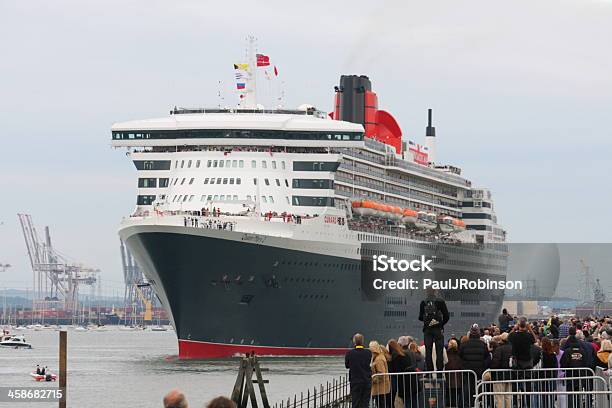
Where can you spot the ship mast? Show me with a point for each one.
(250, 96)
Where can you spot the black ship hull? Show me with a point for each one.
(232, 296)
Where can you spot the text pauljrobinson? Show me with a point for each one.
(448, 284)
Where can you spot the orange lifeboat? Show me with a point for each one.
(459, 224)
(363, 208)
(445, 223)
(396, 213)
(450, 224)
(409, 216)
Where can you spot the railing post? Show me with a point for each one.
(63, 365)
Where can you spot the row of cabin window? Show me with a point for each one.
(217, 163)
(232, 163)
(230, 180)
(267, 182)
(264, 199)
(208, 180)
(227, 164)
(222, 197)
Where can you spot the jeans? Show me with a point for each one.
(433, 336)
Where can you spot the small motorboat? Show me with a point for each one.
(159, 328)
(15, 342)
(46, 377)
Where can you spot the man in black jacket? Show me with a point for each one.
(522, 338)
(358, 362)
(434, 315)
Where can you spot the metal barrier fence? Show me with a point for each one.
(334, 394)
(431, 389)
(544, 388)
(537, 388)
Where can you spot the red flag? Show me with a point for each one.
(275, 71)
(263, 60)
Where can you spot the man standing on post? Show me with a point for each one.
(358, 362)
(434, 315)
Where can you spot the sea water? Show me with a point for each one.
(136, 368)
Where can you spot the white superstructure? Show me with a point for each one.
(298, 163)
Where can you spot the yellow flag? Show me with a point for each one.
(243, 67)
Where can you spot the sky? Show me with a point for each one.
(521, 93)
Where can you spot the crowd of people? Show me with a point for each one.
(210, 224)
(543, 352)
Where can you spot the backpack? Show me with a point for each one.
(431, 312)
(574, 357)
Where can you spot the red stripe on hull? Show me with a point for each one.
(190, 349)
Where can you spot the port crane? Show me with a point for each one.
(55, 279)
(138, 292)
(599, 297)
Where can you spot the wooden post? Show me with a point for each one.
(261, 382)
(63, 356)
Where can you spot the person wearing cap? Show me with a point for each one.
(474, 352)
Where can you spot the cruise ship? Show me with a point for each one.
(251, 224)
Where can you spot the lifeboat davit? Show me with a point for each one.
(397, 213)
(409, 216)
(426, 220)
(449, 224)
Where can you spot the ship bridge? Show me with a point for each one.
(238, 127)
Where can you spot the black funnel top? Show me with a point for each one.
(352, 93)
(429, 130)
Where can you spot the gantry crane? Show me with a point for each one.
(54, 278)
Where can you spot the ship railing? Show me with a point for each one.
(404, 164)
(222, 220)
(335, 393)
(399, 232)
(431, 189)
